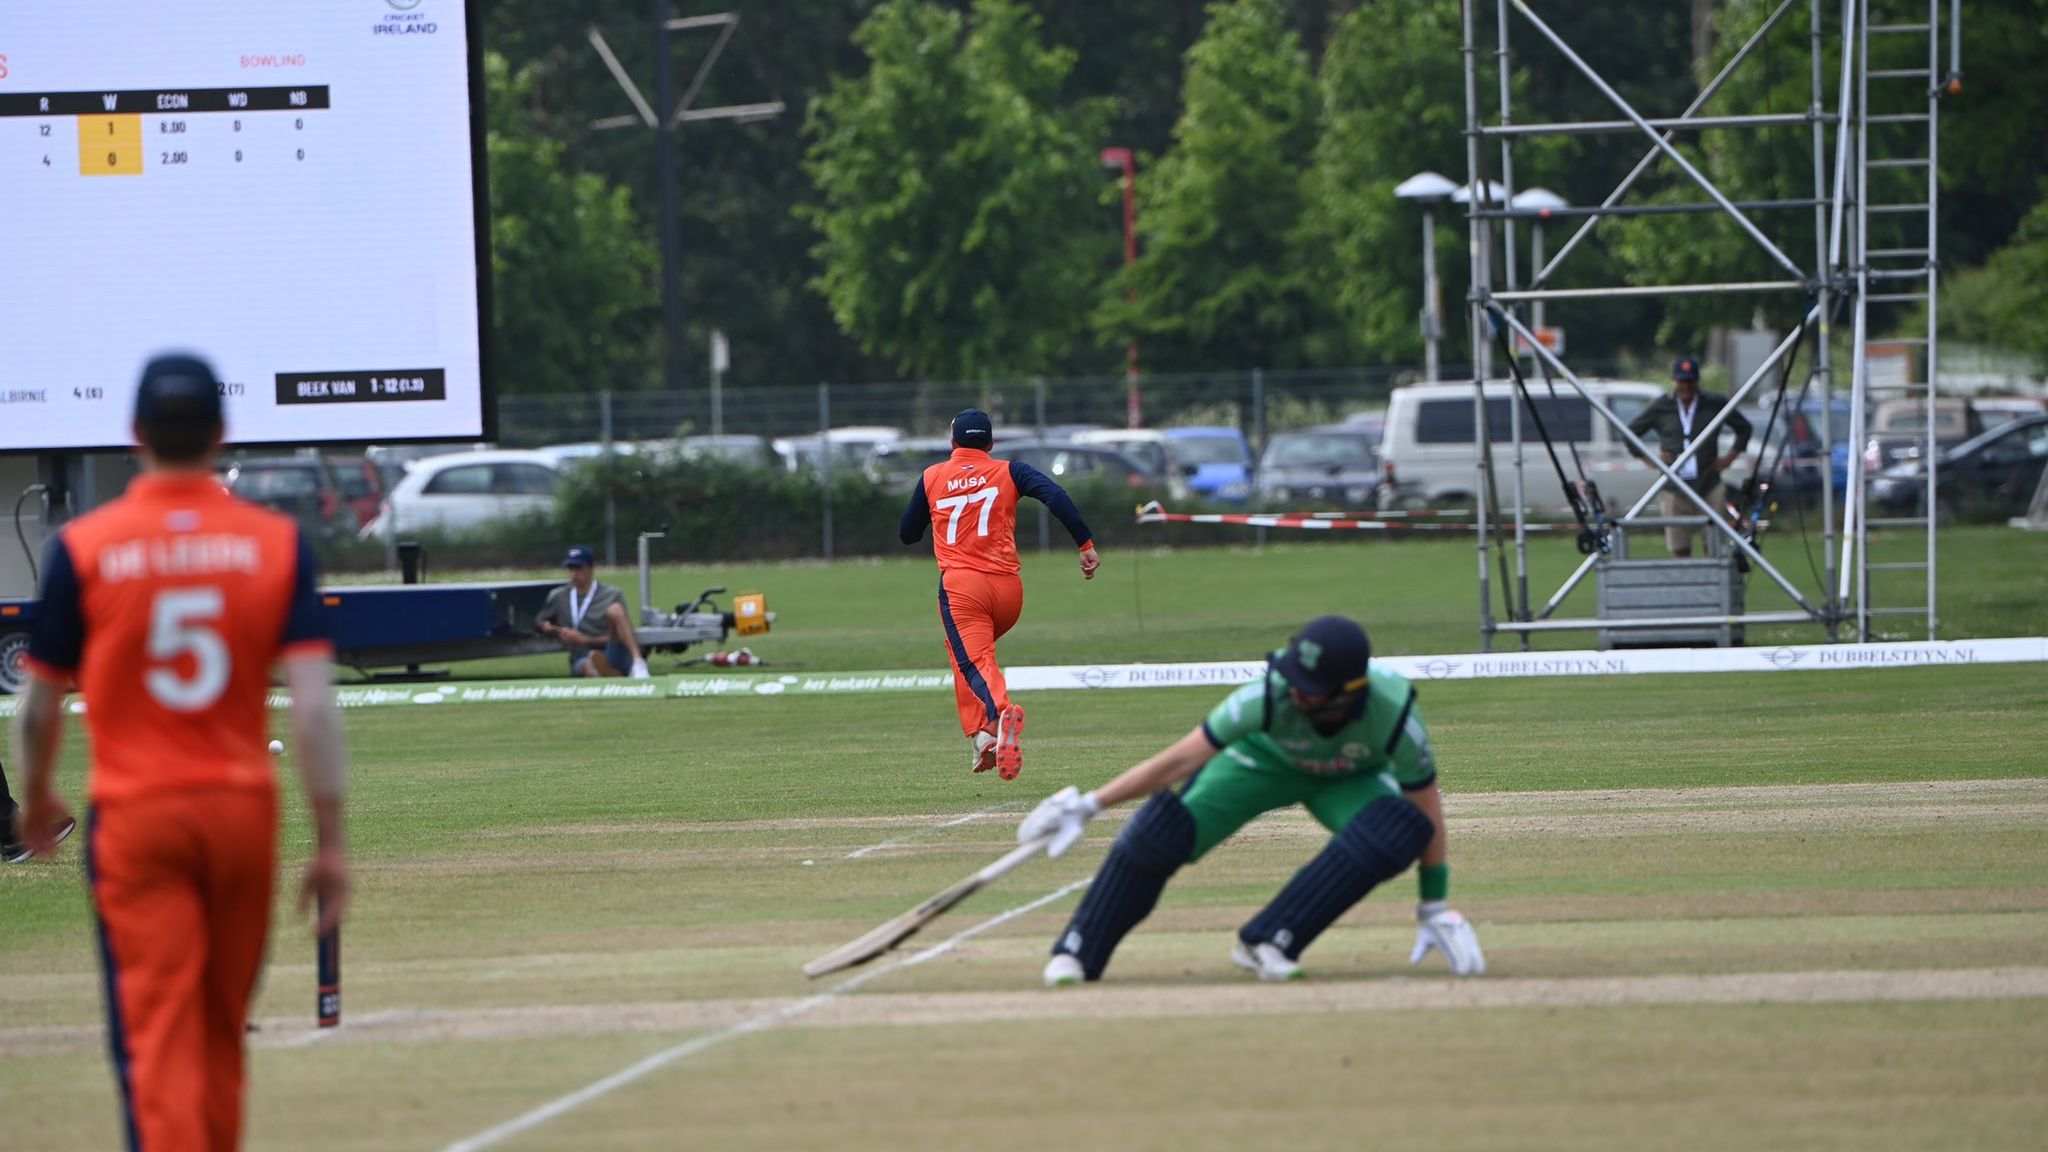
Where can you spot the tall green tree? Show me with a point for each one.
(2004, 302)
(573, 292)
(1392, 93)
(1991, 157)
(950, 178)
(1223, 279)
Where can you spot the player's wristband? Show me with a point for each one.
(1436, 881)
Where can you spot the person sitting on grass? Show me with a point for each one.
(589, 617)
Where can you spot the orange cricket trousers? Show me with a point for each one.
(181, 885)
(976, 608)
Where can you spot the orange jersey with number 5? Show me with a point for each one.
(169, 607)
(973, 502)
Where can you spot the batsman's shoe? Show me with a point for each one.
(640, 671)
(984, 755)
(13, 851)
(1063, 971)
(1010, 742)
(1269, 962)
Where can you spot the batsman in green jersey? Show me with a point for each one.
(1323, 729)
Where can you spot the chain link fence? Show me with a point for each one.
(791, 498)
(1252, 401)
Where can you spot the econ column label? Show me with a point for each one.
(362, 387)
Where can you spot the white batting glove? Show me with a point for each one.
(1061, 816)
(1441, 929)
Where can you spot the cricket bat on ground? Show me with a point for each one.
(903, 927)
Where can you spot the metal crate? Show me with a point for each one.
(1709, 586)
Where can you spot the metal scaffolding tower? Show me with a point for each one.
(1868, 260)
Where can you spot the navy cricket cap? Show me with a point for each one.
(1327, 657)
(578, 557)
(178, 389)
(1687, 368)
(973, 429)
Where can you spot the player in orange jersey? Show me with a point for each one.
(970, 504)
(169, 608)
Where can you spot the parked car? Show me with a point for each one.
(850, 447)
(361, 487)
(392, 461)
(1064, 433)
(562, 456)
(1793, 448)
(1898, 428)
(730, 448)
(1996, 411)
(1991, 476)
(1209, 463)
(898, 465)
(466, 490)
(1145, 447)
(301, 486)
(1338, 463)
(1071, 463)
(1428, 456)
(1372, 422)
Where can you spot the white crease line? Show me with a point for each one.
(518, 1125)
(971, 817)
(312, 1036)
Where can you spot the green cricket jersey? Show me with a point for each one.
(1388, 740)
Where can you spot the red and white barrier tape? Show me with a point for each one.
(1153, 513)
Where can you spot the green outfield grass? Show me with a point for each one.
(546, 894)
(1416, 595)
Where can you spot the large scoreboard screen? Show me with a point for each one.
(292, 190)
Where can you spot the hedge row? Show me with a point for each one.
(713, 512)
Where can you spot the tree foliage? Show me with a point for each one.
(2004, 302)
(1341, 284)
(573, 286)
(1223, 276)
(1393, 105)
(950, 178)
(1991, 160)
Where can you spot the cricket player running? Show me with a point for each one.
(1321, 729)
(981, 594)
(169, 607)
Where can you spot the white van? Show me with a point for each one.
(1429, 459)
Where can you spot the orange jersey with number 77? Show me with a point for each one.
(970, 503)
(973, 502)
(169, 607)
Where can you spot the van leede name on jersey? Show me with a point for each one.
(180, 556)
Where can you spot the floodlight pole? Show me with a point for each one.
(1432, 300)
(671, 229)
(675, 111)
(1429, 189)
